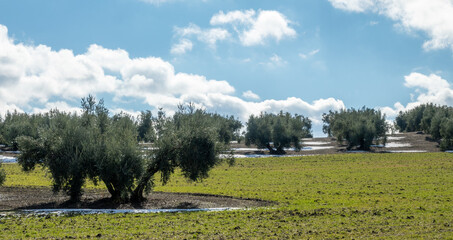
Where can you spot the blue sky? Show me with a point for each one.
(232, 57)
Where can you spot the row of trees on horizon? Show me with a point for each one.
(433, 119)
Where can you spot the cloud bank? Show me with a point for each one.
(38, 78)
(434, 18)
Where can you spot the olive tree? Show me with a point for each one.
(117, 158)
(61, 148)
(358, 127)
(190, 141)
(277, 131)
(90, 146)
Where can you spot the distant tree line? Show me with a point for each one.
(104, 148)
(430, 118)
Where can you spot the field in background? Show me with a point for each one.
(329, 196)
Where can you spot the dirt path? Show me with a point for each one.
(14, 198)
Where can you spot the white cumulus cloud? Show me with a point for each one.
(38, 78)
(246, 17)
(434, 18)
(428, 89)
(255, 28)
(36, 73)
(209, 36)
(251, 28)
(182, 47)
(250, 95)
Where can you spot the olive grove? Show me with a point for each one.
(103, 148)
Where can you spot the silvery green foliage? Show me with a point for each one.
(104, 148)
(191, 140)
(93, 146)
(360, 128)
(277, 131)
(430, 118)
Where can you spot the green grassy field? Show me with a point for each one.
(395, 196)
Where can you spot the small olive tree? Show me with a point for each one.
(277, 131)
(358, 127)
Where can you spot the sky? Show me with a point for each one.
(235, 57)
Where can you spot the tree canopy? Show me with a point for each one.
(429, 118)
(104, 148)
(358, 127)
(92, 145)
(191, 140)
(277, 131)
(17, 124)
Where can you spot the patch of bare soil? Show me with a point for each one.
(15, 198)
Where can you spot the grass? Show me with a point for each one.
(332, 196)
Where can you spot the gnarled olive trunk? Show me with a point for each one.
(137, 194)
(278, 151)
(115, 194)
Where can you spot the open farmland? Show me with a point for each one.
(405, 195)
